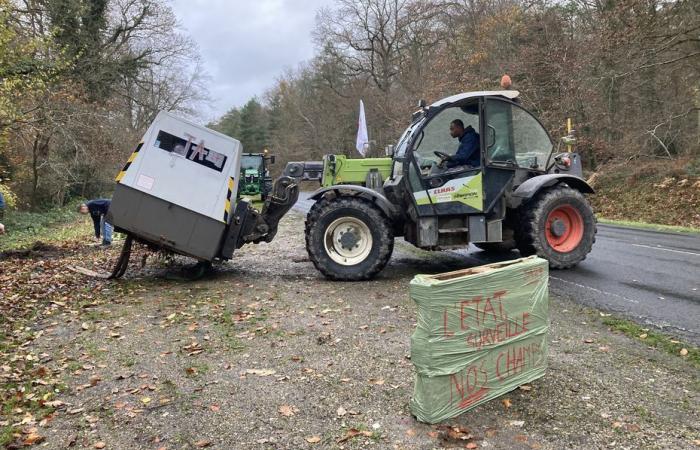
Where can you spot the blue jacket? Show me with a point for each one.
(468, 153)
(98, 209)
(2, 201)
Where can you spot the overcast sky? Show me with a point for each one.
(246, 44)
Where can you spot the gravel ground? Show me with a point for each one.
(266, 353)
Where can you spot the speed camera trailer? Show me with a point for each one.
(177, 192)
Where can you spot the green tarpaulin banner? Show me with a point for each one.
(481, 333)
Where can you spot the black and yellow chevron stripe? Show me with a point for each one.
(128, 162)
(227, 205)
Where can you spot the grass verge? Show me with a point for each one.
(655, 339)
(23, 228)
(649, 226)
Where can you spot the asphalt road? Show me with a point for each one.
(650, 277)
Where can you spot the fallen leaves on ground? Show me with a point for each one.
(36, 285)
(287, 410)
(353, 432)
(203, 443)
(33, 438)
(313, 439)
(261, 372)
(453, 434)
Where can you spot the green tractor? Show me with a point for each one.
(255, 176)
(523, 194)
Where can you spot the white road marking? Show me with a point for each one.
(595, 290)
(666, 249)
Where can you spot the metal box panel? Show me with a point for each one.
(477, 228)
(427, 232)
(186, 165)
(165, 224)
(494, 230)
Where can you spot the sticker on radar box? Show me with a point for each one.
(145, 182)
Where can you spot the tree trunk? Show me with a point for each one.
(35, 172)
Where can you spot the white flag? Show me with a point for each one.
(362, 139)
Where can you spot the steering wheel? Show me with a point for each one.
(444, 157)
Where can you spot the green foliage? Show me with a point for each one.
(654, 339)
(22, 73)
(79, 30)
(9, 196)
(80, 80)
(248, 124)
(24, 228)
(693, 167)
(229, 124)
(648, 226)
(253, 127)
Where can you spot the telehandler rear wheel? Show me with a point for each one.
(348, 238)
(557, 225)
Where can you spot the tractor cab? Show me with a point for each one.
(467, 202)
(255, 175)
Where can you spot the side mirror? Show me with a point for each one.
(272, 159)
(389, 151)
(422, 104)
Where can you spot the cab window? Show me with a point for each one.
(513, 135)
(531, 141)
(499, 132)
(435, 136)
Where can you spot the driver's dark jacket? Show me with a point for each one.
(468, 152)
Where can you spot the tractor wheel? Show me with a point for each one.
(559, 226)
(348, 239)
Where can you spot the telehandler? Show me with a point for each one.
(524, 194)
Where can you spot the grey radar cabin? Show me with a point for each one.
(177, 192)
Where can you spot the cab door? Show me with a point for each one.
(499, 155)
(455, 191)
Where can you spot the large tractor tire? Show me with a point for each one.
(557, 225)
(348, 239)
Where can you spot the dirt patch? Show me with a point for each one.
(36, 250)
(266, 353)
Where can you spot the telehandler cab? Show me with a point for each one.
(523, 195)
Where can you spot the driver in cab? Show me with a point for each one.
(468, 152)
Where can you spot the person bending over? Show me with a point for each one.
(98, 211)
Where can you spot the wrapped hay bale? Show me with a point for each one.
(481, 332)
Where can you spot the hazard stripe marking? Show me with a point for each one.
(128, 162)
(227, 204)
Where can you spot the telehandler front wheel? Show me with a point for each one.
(557, 225)
(348, 239)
